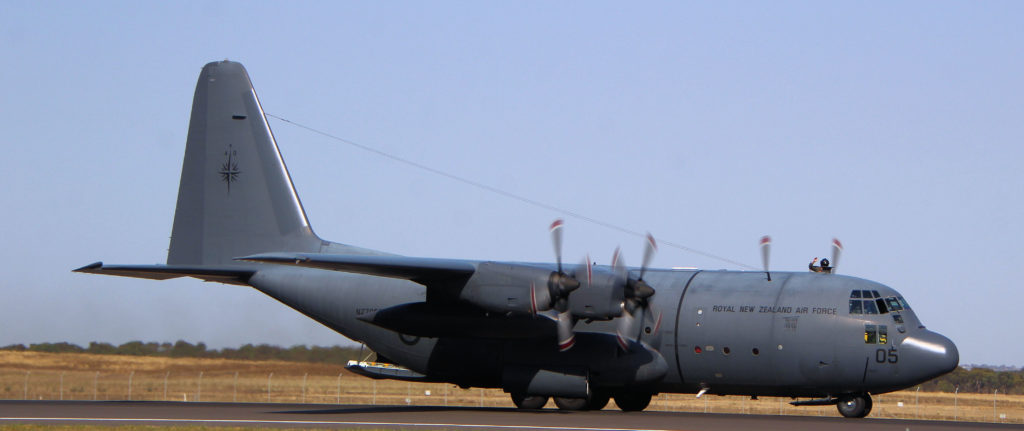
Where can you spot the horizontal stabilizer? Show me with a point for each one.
(229, 275)
(421, 270)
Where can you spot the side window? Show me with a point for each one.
(894, 304)
(855, 307)
(870, 334)
(903, 302)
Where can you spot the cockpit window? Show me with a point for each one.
(881, 306)
(893, 303)
(855, 306)
(870, 307)
(903, 302)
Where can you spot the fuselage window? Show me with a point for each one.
(855, 306)
(883, 334)
(897, 318)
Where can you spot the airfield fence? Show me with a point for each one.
(345, 388)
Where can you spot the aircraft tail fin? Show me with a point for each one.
(235, 197)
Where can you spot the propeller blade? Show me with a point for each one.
(566, 337)
(837, 249)
(584, 272)
(649, 249)
(657, 320)
(766, 248)
(556, 240)
(619, 267)
(627, 330)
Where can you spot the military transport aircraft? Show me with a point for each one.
(579, 333)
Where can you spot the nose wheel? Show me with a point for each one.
(854, 405)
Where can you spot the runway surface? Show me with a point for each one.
(428, 418)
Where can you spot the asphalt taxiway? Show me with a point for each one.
(429, 418)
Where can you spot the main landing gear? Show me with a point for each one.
(854, 405)
(627, 402)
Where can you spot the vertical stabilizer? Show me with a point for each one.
(236, 197)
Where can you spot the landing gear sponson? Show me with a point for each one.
(627, 402)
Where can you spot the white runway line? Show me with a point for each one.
(273, 422)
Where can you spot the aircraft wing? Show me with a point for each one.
(230, 275)
(418, 269)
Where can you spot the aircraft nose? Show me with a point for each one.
(931, 353)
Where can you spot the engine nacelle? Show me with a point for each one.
(602, 298)
(502, 287)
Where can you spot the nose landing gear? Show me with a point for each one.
(854, 405)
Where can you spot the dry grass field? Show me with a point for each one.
(47, 376)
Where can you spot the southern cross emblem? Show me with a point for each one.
(229, 169)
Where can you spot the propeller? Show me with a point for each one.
(560, 284)
(766, 248)
(559, 288)
(637, 295)
(837, 250)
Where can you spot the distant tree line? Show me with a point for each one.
(978, 380)
(184, 349)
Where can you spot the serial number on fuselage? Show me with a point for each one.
(362, 311)
(772, 309)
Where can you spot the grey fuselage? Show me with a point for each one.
(725, 331)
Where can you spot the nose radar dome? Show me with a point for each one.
(930, 354)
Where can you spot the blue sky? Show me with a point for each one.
(895, 127)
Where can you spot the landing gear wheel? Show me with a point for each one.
(632, 402)
(854, 405)
(598, 401)
(571, 403)
(529, 402)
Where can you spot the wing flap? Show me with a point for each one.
(421, 270)
(227, 275)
